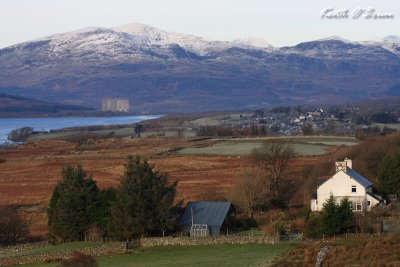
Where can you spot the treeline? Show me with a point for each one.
(369, 132)
(141, 205)
(19, 104)
(379, 117)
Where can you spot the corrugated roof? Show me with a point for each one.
(212, 213)
(359, 178)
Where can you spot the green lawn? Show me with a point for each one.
(213, 255)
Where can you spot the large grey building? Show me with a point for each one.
(115, 104)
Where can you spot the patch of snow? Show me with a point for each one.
(335, 37)
(392, 39)
(252, 42)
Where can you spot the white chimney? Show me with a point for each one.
(349, 163)
(340, 166)
(343, 165)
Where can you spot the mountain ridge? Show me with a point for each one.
(160, 71)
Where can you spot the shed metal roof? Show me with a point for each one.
(211, 213)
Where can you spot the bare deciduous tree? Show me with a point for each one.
(250, 189)
(273, 158)
(12, 227)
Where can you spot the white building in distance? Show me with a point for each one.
(346, 182)
(115, 104)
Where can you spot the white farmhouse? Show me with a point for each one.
(346, 182)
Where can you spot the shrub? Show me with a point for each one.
(13, 228)
(313, 227)
(79, 260)
(248, 223)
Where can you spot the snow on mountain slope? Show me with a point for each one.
(141, 42)
(149, 36)
(391, 43)
(392, 39)
(335, 37)
(87, 43)
(252, 42)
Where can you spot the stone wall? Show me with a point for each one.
(190, 241)
(20, 254)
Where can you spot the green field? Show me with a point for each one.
(334, 143)
(118, 132)
(245, 148)
(215, 120)
(213, 255)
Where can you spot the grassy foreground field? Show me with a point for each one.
(213, 255)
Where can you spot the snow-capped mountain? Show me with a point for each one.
(392, 39)
(252, 42)
(163, 71)
(149, 36)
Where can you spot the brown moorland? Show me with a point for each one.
(30, 172)
(358, 250)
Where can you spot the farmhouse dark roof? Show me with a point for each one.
(375, 196)
(211, 213)
(358, 177)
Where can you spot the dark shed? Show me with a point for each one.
(215, 215)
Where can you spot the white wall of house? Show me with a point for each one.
(339, 185)
(342, 185)
(372, 202)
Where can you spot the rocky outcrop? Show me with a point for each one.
(321, 256)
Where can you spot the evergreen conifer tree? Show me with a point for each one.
(73, 204)
(144, 201)
(389, 175)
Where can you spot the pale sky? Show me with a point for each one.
(280, 22)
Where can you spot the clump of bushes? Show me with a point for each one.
(20, 135)
(79, 260)
(13, 228)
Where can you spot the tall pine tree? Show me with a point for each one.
(73, 204)
(336, 218)
(389, 175)
(144, 202)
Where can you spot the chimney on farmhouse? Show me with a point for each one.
(349, 163)
(343, 165)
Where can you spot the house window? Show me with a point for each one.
(353, 189)
(358, 206)
(369, 203)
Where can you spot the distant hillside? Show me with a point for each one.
(11, 105)
(164, 72)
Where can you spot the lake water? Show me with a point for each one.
(47, 124)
